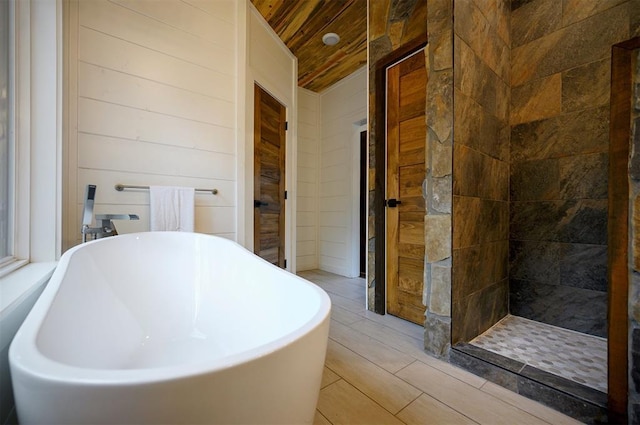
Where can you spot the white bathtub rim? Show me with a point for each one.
(24, 354)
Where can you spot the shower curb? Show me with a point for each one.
(570, 398)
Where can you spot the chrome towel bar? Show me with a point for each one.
(121, 187)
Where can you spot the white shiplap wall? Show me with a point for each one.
(151, 100)
(308, 171)
(343, 108)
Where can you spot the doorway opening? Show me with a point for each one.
(363, 204)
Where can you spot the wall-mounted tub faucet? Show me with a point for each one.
(106, 228)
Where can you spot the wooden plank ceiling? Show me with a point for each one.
(300, 24)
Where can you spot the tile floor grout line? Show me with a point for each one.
(408, 404)
(369, 361)
(342, 378)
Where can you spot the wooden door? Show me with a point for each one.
(405, 204)
(269, 181)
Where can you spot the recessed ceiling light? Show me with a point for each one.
(330, 38)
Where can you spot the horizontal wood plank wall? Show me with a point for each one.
(342, 105)
(308, 169)
(151, 89)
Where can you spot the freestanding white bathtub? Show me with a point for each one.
(167, 327)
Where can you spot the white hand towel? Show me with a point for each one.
(171, 208)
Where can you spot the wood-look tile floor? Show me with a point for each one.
(376, 372)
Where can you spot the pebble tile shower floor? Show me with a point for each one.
(572, 355)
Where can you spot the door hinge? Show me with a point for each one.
(286, 125)
(285, 194)
(285, 263)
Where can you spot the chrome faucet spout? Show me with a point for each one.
(106, 228)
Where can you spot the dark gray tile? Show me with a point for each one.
(562, 384)
(582, 310)
(576, 133)
(495, 359)
(635, 358)
(569, 405)
(576, 221)
(535, 260)
(584, 176)
(634, 163)
(584, 266)
(585, 222)
(634, 413)
(485, 369)
(535, 180)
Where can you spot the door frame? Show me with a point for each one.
(618, 235)
(246, 169)
(380, 142)
(358, 128)
(282, 160)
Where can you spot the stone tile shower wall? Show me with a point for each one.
(439, 179)
(560, 87)
(480, 166)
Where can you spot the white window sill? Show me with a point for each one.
(19, 284)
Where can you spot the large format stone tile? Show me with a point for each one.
(568, 134)
(535, 260)
(577, 10)
(582, 310)
(574, 221)
(534, 19)
(536, 100)
(473, 27)
(586, 86)
(584, 176)
(466, 232)
(587, 41)
(634, 9)
(498, 14)
(583, 266)
(479, 267)
(535, 180)
(474, 314)
(475, 78)
(475, 127)
(477, 174)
